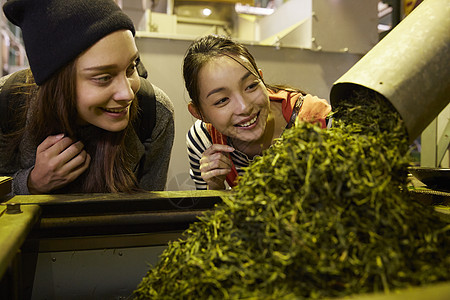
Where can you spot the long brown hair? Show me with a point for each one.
(55, 111)
(209, 47)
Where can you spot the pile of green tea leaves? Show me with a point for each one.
(323, 213)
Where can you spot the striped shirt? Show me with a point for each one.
(198, 140)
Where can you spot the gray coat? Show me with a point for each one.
(157, 151)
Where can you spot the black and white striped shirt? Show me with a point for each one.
(198, 140)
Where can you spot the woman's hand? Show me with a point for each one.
(314, 109)
(59, 161)
(215, 166)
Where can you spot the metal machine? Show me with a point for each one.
(410, 67)
(92, 246)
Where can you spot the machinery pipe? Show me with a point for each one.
(410, 67)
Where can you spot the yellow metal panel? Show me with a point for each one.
(14, 229)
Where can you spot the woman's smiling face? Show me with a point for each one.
(233, 99)
(107, 81)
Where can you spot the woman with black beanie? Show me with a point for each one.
(75, 123)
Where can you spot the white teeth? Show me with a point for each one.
(249, 122)
(114, 110)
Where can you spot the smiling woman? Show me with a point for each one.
(107, 81)
(74, 128)
(239, 116)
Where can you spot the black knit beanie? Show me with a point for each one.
(57, 31)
